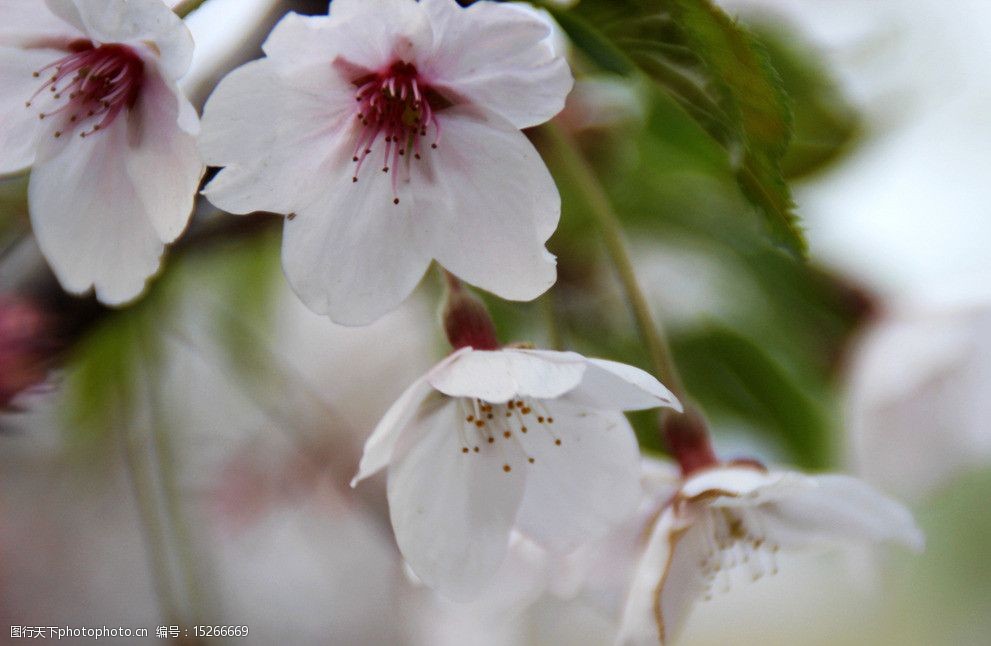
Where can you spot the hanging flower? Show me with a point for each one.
(740, 516)
(89, 101)
(492, 440)
(389, 134)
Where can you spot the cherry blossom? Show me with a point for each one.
(492, 440)
(90, 104)
(388, 132)
(740, 516)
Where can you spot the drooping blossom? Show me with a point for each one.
(740, 516)
(89, 102)
(389, 134)
(492, 440)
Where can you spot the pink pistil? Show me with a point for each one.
(96, 84)
(395, 104)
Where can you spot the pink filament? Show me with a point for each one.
(393, 104)
(96, 83)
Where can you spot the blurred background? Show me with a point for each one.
(185, 460)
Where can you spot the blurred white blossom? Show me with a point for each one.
(917, 406)
(90, 102)
(389, 132)
(740, 516)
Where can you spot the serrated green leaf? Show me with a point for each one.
(717, 72)
(825, 123)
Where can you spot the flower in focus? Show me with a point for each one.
(90, 103)
(741, 515)
(492, 440)
(389, 134)
(25, 347)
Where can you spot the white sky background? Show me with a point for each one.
(909, 211)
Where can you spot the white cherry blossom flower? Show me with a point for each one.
(740, 516)
(89, 102)
(389, 134)
(492, 440)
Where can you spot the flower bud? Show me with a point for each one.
(466, 319)
(687, 439)
(25, 345)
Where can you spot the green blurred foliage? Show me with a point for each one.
(717, 72)
(114, 370)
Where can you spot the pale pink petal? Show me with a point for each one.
(29, 23)
(584, 478)
(19, 124)
(301, 41)
(281, 148)
(683, 583)
(353, 254)
(452, 511)
(498, 375)
(732, 481)
(162, 160)
(499, 57)
(497, 204)
(382, 441)
(829, 509)
(89, 219)
(643, 620)
(618, 386)
(134, 22)
(382, 32)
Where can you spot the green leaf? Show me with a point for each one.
(733, 377)
(717, 72)
(825, 123)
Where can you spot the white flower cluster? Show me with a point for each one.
(388, 132)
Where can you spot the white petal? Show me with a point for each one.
(134, 22)
(274, 141)
(499, 57)
(498, 375)
(353, 254)
(610, 385)
(89, 220)
(29, 23)
(684, 581)
(452, 511)
(807, 511)
(382, 442)
(660, 578)
(302, 40)
(500, 205)
(579, 489)
(162, 159)
(378, 33)
(19, 124)
(733, 481)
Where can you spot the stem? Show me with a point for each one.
(555, 338)
(186, 7)
(574, 163)
(165, 465)
(151, 522)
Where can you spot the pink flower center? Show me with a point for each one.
(90, 85)
(398, 105)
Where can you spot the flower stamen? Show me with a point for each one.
(96, 82)
(396, 104)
